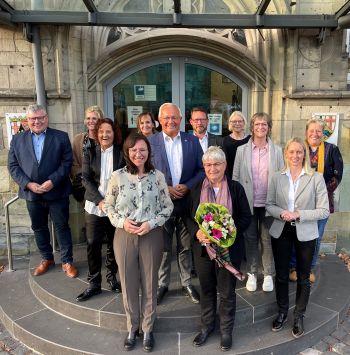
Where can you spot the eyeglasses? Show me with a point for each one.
(39, 118)
(172, 118)
(213, 165)
(236, 122)
(135, 151)
(198, 120)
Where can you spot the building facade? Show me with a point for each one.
(289, 73)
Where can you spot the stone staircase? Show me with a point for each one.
(42, 313)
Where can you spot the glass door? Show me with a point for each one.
(184, 81)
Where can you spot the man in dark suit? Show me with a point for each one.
(178, 155)
(39, 161)
(199, 122)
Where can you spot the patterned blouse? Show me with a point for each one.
(139, 199)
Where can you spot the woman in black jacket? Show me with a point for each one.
(216, 188)
(98, 164)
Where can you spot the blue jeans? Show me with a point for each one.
(321, 224)
(59, 213)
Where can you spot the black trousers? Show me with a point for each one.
(213, 279)
(282, 249)
(97, 228)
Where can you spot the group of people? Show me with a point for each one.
(136, 198)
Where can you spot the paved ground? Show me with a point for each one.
(336, 343)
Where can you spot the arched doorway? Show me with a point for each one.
(186, 81)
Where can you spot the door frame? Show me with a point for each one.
(178, 81)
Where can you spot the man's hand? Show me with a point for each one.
(46, 186)
(182, 188)
(34, 187)
(174, 194)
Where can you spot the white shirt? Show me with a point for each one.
(174, 154)
(203, 142)
(106, 172)
(293, 186)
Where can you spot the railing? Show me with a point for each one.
(8, 234)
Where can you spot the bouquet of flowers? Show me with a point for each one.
(216, 222)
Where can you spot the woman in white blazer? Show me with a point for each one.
(254, 165)
(297, 198)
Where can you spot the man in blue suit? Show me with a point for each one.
(178, 155)
(39, 161)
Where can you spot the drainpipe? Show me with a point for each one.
(38, 67)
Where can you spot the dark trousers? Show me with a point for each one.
(184, 255)
(97, 228)
(58, 210)
(304, 251)
(214, 279)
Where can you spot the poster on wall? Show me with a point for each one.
(145, 92)
(215, 123)
(331, 129)
(133, 112)
(15, 123)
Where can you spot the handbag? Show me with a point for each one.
(78, 190)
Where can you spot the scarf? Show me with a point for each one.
(223, 197)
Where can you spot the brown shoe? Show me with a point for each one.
(70, 270)
(293, 275)
(312, 277)
(43, 267)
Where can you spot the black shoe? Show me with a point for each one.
(298, 327)
(148, 342)
(226, 342)
(191, 292)
(202, 337)
(115, 286)
(130, 341)
(278, 322)
(161, 291)
(88, 293)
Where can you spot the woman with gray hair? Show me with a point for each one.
(255, 163)
(236, 125)
(216, 188)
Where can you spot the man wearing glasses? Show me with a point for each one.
(40, 161)
(199, 122)
(178, 155)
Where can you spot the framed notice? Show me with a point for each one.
(133, 112)
(145, 92)
(215, 123)
(15, 123)
(331, 129)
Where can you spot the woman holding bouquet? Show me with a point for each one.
(216, 188)
(297, 198)
(138, 204)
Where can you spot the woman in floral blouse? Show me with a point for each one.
(138, 204)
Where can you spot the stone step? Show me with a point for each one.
(47, 332)
(176, 313)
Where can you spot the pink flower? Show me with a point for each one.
(208, 217)
(217, 234)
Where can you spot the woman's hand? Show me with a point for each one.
(202, 238)
(101, 205)
(143, 229)
(289, 216)
(131, 226)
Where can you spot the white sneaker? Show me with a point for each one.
(267, 284)
(251, 283)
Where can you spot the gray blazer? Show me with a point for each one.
(311, 200)
(242, 168)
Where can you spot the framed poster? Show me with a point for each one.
(15, 123)
(330, 132)
(133, 112)
(215, 123)
(145, 92)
